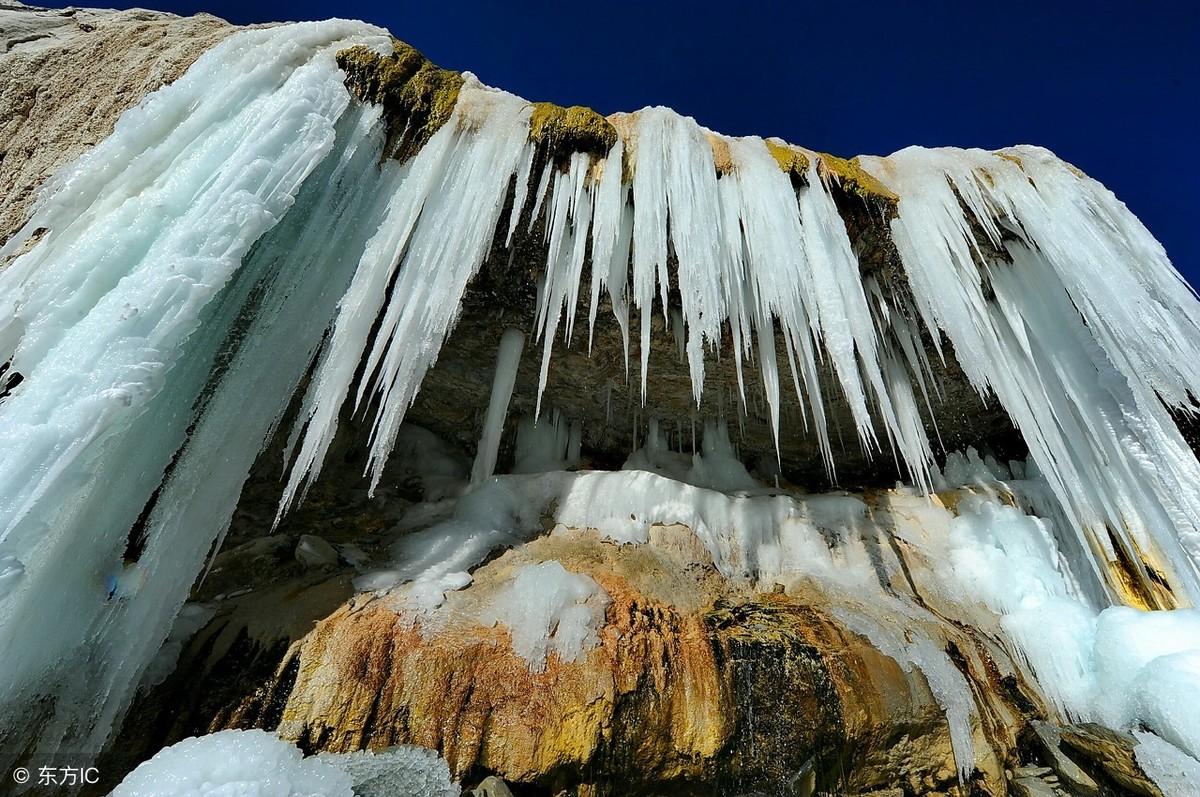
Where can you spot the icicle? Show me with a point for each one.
(606, 231)
(1084, 394)
(456, 182)
(570, 218)
(508, 357)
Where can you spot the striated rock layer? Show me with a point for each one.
(699, 683)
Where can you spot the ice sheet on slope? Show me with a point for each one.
(255, 762)
(1171, 769)
(234, 762)
(144, 273)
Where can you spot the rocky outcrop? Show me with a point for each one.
(698, 685)
(67, 74)
(1111, 752)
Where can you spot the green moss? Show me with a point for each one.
(417, 97)
(848, 174)
(791, 160)
(854, 178)
(564, 131)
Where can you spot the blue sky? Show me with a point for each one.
(1111, 87)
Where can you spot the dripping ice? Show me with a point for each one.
(1080, 328)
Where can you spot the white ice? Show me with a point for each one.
(549, 610)
(250, 763)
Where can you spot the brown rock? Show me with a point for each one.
(1112, 752)
(65, 77)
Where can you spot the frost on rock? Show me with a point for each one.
(549, 610)
(251, 763)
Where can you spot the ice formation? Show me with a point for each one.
(238, 240)
(549, 609)
(255, 763)
(1172, 770)
(507, 360)
(403, 770)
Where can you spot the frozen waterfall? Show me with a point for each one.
(239, 246)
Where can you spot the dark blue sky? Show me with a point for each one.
(1112, 87)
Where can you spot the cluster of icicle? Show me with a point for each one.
(237, 232)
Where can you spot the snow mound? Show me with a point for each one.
(1174, 771)
(234, 764)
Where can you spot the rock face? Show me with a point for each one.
(67, 74)
(698, 684)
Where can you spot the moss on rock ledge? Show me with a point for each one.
(854, 178)
(417, 96)
(791, 160)
(563, 131)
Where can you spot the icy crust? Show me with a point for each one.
(1172, 770)
(251, 763)
(119, 322)
(256, 763)
(549, 610)
(405, 770)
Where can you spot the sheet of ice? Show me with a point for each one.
(1147, 672)
(1175, 772)
(1164, 697)
(549, 610)
(251, 763)
(148, 271)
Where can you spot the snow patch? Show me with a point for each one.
(549, 610)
